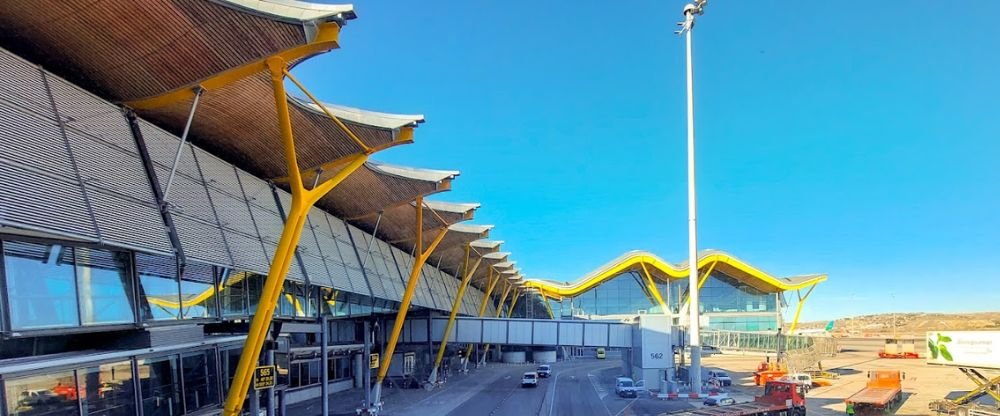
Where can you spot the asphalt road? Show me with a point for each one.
(578, 388)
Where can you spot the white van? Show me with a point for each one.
(529, 379)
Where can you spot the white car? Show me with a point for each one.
(544, 370)
(529, 379)
(625, 387)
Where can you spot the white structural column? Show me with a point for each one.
(690, 11)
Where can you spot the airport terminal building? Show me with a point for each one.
(733, 295)
(154, 173)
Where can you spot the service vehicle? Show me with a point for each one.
(544, 370)
(781, 398)
(721, 376)
(625, 387)
(802, 379)
(601, 354)
(883, 393)
(529, 379)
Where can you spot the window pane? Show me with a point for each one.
(107, 390)
(50, 394)
(160, 387)
(198, 291)
(158, 278)
(234, 296)
(102, 284)
(200, 389)
(41, 285)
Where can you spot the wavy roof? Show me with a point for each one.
(633, 261)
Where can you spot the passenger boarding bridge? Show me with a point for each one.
(514, 331)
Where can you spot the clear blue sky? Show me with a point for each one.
(857, 139)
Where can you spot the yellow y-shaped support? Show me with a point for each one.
(513, 303)
(411, 286)
(798, 308)
(503, 299)
(482, 304)
(454, 310)
(548, 307)
(654, 290)
(703, 279)
(302, 200)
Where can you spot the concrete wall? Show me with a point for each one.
(514, 357)
(543, 356)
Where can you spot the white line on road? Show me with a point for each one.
(601, 394)
(626, 406)
(553, 389)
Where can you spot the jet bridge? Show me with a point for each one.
(515, 331)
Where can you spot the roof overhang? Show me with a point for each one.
(642, 261)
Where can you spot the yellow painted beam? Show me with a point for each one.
(327, 38)
(411, 286)
(513, 303)
(486, 349)
(702, 279)
(798, 308)
(548, 307)
(486, 297)
(322, 107)
(493, 282)
(302, 200)
(654, 290)
(503, 299)
(633, 263)
(454, 308)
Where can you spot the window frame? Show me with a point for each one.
(6, 328)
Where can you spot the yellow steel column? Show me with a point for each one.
(503, 299)
(654, 290)
(798, 308)
(703, 279)
(489, 290)
(547, 306)
(302, 200)
(454, 311)
(513, 303)
(482, 304)
(404, 307)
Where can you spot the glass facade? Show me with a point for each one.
(169, 385)
(160, 384)
(201, 389)
(722, 293)
(107, 389)
(52, 286)
(48, 394)
(728, 303)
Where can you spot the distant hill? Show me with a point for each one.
(915, 324)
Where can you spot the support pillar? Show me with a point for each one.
(798, 308)
(302, 200)
(482, 309)
(486, 349)
(404, 307)
(324, 388)
(454, 311)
